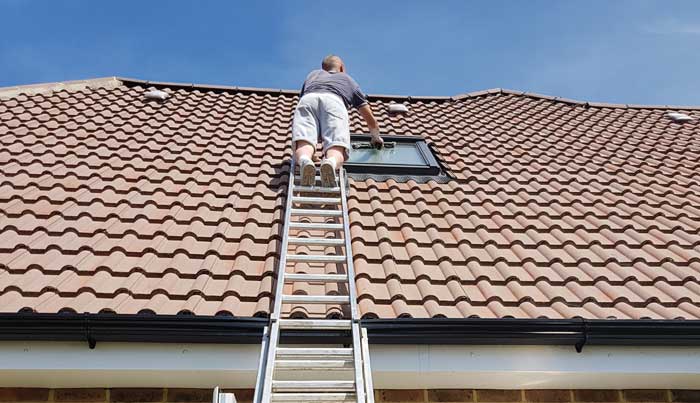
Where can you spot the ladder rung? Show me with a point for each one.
(298, 177)
(313, 352)
(313, 385)
(314, 324)
(316, 241)
(317, 178)
(314, 365)
(315, 225)
(326, 278)
(315, 200)
(316, 213)
(316, 258)
(316, 299)
(315, 397)
(317, 189)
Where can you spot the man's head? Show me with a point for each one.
(333, 63)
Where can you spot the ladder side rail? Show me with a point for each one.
(369, 385)
(262, 365)
(357, 358)
(270, 363)
(350, 269)
(266, 395)
(277, 309)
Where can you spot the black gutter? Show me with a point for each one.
(473, 331)
(94, 328)
(573, 332)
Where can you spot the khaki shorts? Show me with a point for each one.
(321, 117)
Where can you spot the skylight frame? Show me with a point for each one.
(430, 168)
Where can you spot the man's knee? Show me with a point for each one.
(339, 150)
(299, 143)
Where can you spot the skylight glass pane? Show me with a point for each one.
(400, 154)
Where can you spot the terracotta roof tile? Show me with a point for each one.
(557, 209)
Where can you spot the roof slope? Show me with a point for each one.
(113, 203)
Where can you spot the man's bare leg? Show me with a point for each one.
(304, 157)
(304, 150)
(338, 154)
(334, 158)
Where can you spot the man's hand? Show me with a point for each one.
(376, 140)
(367, 115)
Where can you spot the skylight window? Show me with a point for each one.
(401, 155)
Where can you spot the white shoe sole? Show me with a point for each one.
(308, 175)
(327, 175)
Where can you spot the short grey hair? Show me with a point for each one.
(331, 62)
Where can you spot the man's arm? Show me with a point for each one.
(367, 115)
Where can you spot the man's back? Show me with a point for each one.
(340, 84)
(322, 115)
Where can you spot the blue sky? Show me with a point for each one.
(632, 51)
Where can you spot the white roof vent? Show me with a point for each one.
(398, 108)
(679, 117)
(157, 95)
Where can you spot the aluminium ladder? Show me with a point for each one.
(312, 214)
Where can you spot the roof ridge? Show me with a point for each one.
(45, 88)
(390, 97)
(570, 101)
(115, 81)
(132, 81)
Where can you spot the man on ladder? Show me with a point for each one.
(322, 115)
(326, 371)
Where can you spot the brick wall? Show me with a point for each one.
(175, 395)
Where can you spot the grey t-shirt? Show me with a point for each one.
(340, 84)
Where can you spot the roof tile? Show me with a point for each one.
(557, 209)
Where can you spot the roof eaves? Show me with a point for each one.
(578, 332)
(508, 331)
(47, 88)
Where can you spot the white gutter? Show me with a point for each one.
(72, 364)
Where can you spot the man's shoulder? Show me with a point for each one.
(315, 73)
(350, 79)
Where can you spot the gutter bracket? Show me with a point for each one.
(88, 332)
(579, 344)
